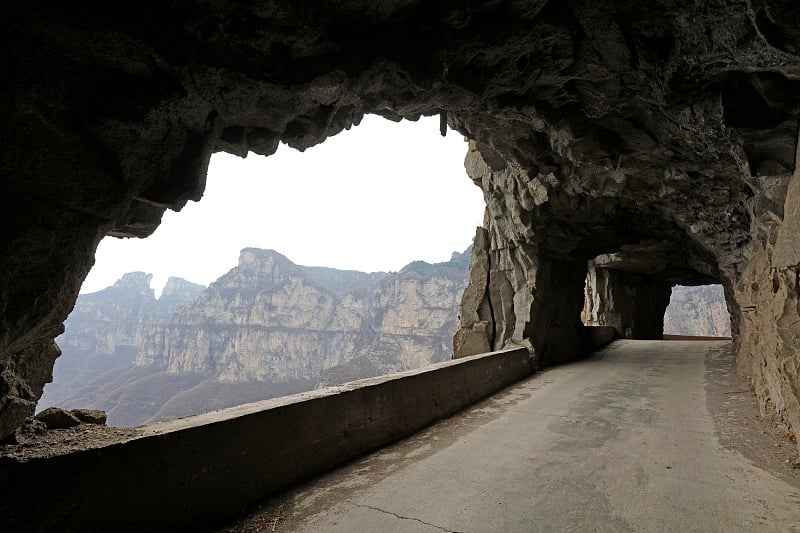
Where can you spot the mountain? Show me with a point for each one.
(106, 328)
(270, 327)
(697, 311)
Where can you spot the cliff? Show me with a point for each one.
(106, 328)
(269, 327)
(698, 311)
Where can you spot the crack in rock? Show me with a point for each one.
(403, 517)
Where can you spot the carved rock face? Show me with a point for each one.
(595, 126)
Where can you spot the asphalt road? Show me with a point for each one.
(624, 441)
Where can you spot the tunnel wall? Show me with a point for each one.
(521, 297)
(600, 122)
(555, 328)
(765, 311)
(633, 304)
(510, 279)
(190, 473)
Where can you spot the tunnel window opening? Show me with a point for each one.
(265, 289)
(697, 311)
(624, 293)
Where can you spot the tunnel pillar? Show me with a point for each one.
(633, 304)
(555, 326)
(521, 296)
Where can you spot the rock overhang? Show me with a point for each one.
(600, 126)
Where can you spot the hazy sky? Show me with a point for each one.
(372, 198)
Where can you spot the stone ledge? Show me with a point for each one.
(197, 471)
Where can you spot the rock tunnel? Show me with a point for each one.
(640, 143)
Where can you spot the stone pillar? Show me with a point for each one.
(632, 304)
(476, 320)
(38, 287)
(519, 293)
(497, 294)
(521, 296)
(555, 328)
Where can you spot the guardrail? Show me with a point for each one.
(192, 473)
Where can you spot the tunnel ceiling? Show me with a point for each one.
(647, 101)
(679, 118)
(662, 260)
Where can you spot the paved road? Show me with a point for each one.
(621, 442)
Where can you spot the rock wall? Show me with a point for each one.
(766, 304)
(535, 266)
(270, 320)
(603, 125)
(633, 304)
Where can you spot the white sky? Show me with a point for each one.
(372, 199)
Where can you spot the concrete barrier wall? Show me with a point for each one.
(599, 336)
(192, 473)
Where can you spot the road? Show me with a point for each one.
(640, 437)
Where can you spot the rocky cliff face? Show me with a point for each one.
(178, 292)
(270, 320)
(270, 327)
(699, 311)
(106, 328)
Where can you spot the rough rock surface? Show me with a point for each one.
(55, 418)
(633, 304)
(599, 124)
(699, 311)
(106, 328)
(270, 327)
(90, 416)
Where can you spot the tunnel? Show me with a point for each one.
(634, 144)
(585, 261)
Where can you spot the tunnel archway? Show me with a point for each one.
(296, 293)
(572, 105)
(546, 255)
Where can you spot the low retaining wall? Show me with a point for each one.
(192, 473)
(599, 336)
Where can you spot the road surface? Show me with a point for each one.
(642, 436)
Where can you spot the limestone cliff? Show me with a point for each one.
(269, 327)
(273, 321)
(106, 328)
(177, 292)
(698, 311)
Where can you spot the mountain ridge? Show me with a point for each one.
(270, 327)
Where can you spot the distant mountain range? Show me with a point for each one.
(106, 329)
(266, 328)
(269, 328)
